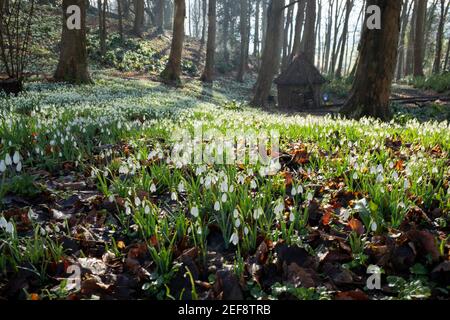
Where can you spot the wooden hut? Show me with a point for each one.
(299, 86)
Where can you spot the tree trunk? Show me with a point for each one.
(172, 72)
(419, 38)
(348, 6)
(271, 54)
(447, 56)
(404, 24)
(327, 49)
(208, 73)
(102, 25)
(160, 17)
(298, 28)
(204, 26)
(372, 85)
(410, 49)
(308, 45)
(226, 27)
(286, 53)
(120, 14)
(439, 37)
(244, 44)
(138, 17)
(257, 26)
(73, 66)
(264, 23)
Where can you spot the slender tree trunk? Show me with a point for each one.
(308, 45)
(73, 66)
(138, 17)
(327, 49)
(172, 72)
(102, 25)
(337, 24)
(126, 9)
(120, 14)
(409, 67)
(319, 35)
(439, 37)
(257, 26)
(264, 23)
(208, 73)
(244, 43)
(349, 7)
(287, 26)
(204, 26)
(271, 54)
(401, 55)
(298, 28)
(372, 85)
(419, 38)
(226, 27)
(447, 57)
(160, 16)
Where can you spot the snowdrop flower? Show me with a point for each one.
(237, 223)
(153, 188)
(246, 231)
(16, 157)
(300, 190)
(224, 197)
(231, 189)
(279, 208)
(194, 212)
(310, 196)
(147, 210)
(391, 165)
(3, 222)
(435, 170)
(8, 160)
(355, 176)
(380, 169)
(292, 217)
(408, 171)
(137, 201)
(406, 184)
(253, 184)
(216, 206)
(293, 192)
(224, 186)
(181, 187)
(111, 198)
(374, 226)
(173, 196)
(2, 166)
(257, 213)
(123, 170)
(395, 176)
(19, 167)
(373, 170)
(380, 178)
(234, 238)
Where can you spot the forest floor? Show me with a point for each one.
(88, 179)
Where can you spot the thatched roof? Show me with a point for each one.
(300, 72)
